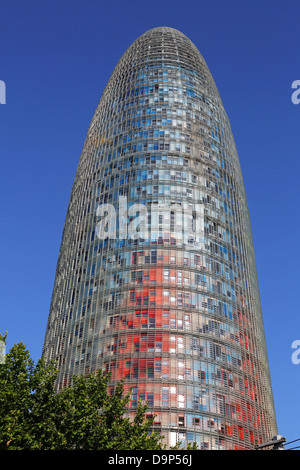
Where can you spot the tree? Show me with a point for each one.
(82, 416)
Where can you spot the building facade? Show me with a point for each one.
(156, 280)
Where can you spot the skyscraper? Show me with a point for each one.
(156, 278)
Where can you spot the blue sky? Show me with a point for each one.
(56, 57)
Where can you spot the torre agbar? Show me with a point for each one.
(156, 278)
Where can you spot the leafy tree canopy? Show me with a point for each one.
(82, 416)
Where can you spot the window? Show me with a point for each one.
(134, 397)
(165, 396)
(181, 421)
(150, 400)
(180, 401)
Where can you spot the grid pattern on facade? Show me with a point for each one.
(178, 317)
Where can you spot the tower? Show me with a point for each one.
(156, 278)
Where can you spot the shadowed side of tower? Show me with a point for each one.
(156, 279)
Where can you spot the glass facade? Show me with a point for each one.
(156, 279)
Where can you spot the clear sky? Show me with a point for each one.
(56, 57)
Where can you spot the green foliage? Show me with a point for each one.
(82, 416)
